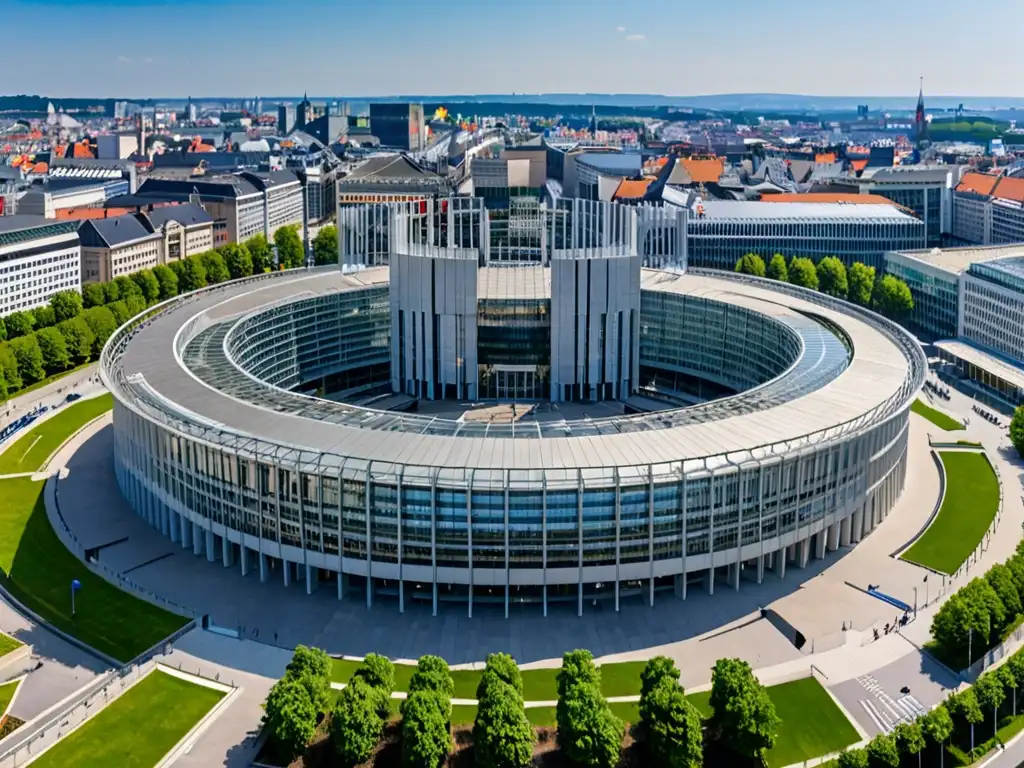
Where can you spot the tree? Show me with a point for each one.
(657, 670)
(54, 350)
(674, 731)
(852, 758)
(910, 739)
(44, 317)
(149, 285)
(3, 330)
(312, 667)
(93, 295)
(216, 269)
(168, 281)
(19, 324)
(356, 726)
(127, 287)
(111, 292)
(237, 259)
(751, 264)
(964, 706)
(325, 246)
(502, 734)
(289, 247)
(192, 276)
(377, 671)
(78, 337)
(832, 277)
(963, 622)
(289, 717)
(861, 283)
(1000, 578)
(892, 297)
(3, 388)
(102, 324)
(777, 269)
(66, 305)
(588, 732)
(426, 737)
(883, 752)
(742, 708)
(990, 693)
(501, 667)
(1014, 668)
(260, 252)
(120, 312)
(938, 726)
(803, 273)
(29, 358)
(9, 368)
(1017, 430)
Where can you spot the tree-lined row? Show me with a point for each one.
(1017, 430)
(974, 618)
(888, 295)
(670, 727)
(72, 328)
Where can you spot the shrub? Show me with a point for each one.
(588, 731)
(289, 717)
(356, 725)
(502, 734)
(426, 738)
(742, 708)
(751, 264)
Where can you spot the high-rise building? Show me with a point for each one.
(400, 125)
(40, 257)
(285, 119)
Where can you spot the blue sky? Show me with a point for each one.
(357, 48)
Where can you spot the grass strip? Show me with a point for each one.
(35, 446)
(938, 418)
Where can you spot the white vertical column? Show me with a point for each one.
(618, 534)
(544, 537)
(401, 577)
(711, 535)
(433, 538)
(579, 532)
(507, 572)
(369, 536)
(469, 537)
(650, 528)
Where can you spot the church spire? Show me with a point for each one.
(920, 123)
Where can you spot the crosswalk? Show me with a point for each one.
(885, 711)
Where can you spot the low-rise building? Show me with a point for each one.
(389, 178)
(989, 209)
(38, 257)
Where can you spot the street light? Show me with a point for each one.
(75, 586)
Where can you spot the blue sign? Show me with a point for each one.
(75, 585)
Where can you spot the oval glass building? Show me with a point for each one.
(568, 416)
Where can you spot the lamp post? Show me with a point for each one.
(75, 586)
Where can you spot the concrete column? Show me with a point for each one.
(805, 552)
(760, 568)
(711, 580)
(198, 539)
(342, 585)
(845, 527)
(211, 549)
(310, 579)
(780, 563)
(263, 568)
(819, 545)
(287, 570)
(791, 553)
(679, 586)
(226, 555)
(833, 537)
(243, 559)
(165, 519)
(734, 575)
(857, 526)
(175, 520)
(186, 532)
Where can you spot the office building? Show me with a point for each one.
(517, 503)
(722, 231)
(285, 119)
(38, 258)
(390, 178)
(989, 209)
(399, 125)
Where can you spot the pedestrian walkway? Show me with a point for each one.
(885, 711)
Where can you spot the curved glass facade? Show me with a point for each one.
(501, 534)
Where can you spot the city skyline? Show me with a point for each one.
(393, 47)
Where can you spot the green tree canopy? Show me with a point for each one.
(289, 247)
(54, 350)
(742, 708)
(19, 324)
(502, 734)
(937, 725)
(588, 732)
(861, 283)
(500, 666)
(66, 305)
(3, 330)
(237, 259)
(192, 275)
(325, 246)
(356, 726)
(261, 254)
(102, 323)
(111, 292)
(312, 667)
(29, 358)
(126, 287)
(93, 295)
(149, 285)
(214, 266)
(289, 717)
(78, 337)
(672, 725)
(909, 737)
(1001, 579)
(750, 264)
(168, 281)
(883, 752)
(9, 368)
(832, 278)
(43, 317)
(852, 758)
(777, 269)
(892, 297)
(426, 737)
(378, 672)
(1017, 430)
(802, 272)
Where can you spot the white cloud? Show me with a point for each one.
(620, 29)
(123, 60)
(636, 38)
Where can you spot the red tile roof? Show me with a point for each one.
(81, 214)
(632, 189)
(979, 183)
(1010, 188)
(827, 197)
(704, 170)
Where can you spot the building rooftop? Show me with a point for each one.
(111, 233)
(924, 174)
(615, 163)
(978, 183)
(956, 260)
(186, 214)
(396, 166)
(992, 362)
(749, 209)
(632, 189)
(828, 197)
(509, 283)
(24, 221)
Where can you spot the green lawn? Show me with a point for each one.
(938, 418)
(812, 724)
(622, 679)
(970, 504)
(137, 729)
(38, 570)
(8, 644)
(35, 446)
(7, 691)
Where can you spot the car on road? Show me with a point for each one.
(72, 396)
